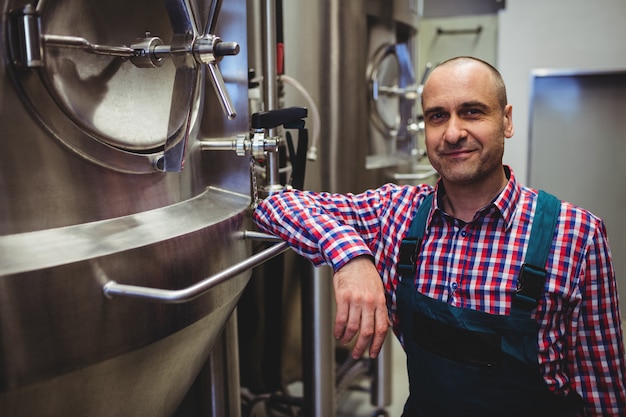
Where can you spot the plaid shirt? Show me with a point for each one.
(475, 265)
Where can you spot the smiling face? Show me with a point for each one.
(467, 120)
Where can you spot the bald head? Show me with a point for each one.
(466, 63)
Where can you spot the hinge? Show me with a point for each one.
(25, 38)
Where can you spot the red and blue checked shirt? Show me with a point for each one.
(475, 265)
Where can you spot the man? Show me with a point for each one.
(494, 322)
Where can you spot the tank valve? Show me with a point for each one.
(289, 118)
(242, 144)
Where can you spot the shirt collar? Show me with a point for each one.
(504, 203)
(508, 198)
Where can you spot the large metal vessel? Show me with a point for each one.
(107, 109)
(366, 86)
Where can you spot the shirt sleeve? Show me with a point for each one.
(323, 227)
(600, 369)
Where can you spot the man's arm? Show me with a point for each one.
(322, 227)
(332, 229)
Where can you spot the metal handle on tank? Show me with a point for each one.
(112, 289)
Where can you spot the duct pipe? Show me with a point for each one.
(270, 85)
(223, 373)
(318, 345)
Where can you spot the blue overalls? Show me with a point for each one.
(464, 362)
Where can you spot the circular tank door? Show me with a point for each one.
(119, 82)
(383, 77)
(392, 86)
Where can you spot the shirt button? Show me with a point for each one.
(454, 286)
(464, 233)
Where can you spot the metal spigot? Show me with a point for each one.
(258, 146)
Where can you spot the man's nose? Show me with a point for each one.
(455, 130)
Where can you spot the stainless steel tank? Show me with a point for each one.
(106, 111)
(366, 86)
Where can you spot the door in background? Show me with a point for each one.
(578, 148)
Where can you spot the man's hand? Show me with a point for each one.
(361, 306)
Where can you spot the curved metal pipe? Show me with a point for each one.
(252, 234)
(112, 289)
(270, 84)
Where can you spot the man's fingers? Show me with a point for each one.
(361, 306)
(347, 319)
(380, 332)
(341, 319)
(372, 333)
(365, 333)
(354, 323)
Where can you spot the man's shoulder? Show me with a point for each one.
(570, 214)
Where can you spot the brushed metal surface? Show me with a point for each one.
(81, 204)
(55, 320)
(116, 386)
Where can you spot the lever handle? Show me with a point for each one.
(274, 118)
(220, 90)
(226, 49)
(209, 50)
(298, 158)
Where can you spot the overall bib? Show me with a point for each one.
(463, 362)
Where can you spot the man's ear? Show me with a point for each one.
(509, 130)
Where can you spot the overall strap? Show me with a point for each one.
(532, 278)
(410, 245)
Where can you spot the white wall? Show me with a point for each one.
(554, 34)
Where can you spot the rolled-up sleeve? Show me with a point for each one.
(322, 227)
(600, 370)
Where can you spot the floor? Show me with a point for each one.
(353, 398)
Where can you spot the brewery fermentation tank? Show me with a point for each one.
(110, 191)
(366, 86)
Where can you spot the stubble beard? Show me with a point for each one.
(468, 172)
